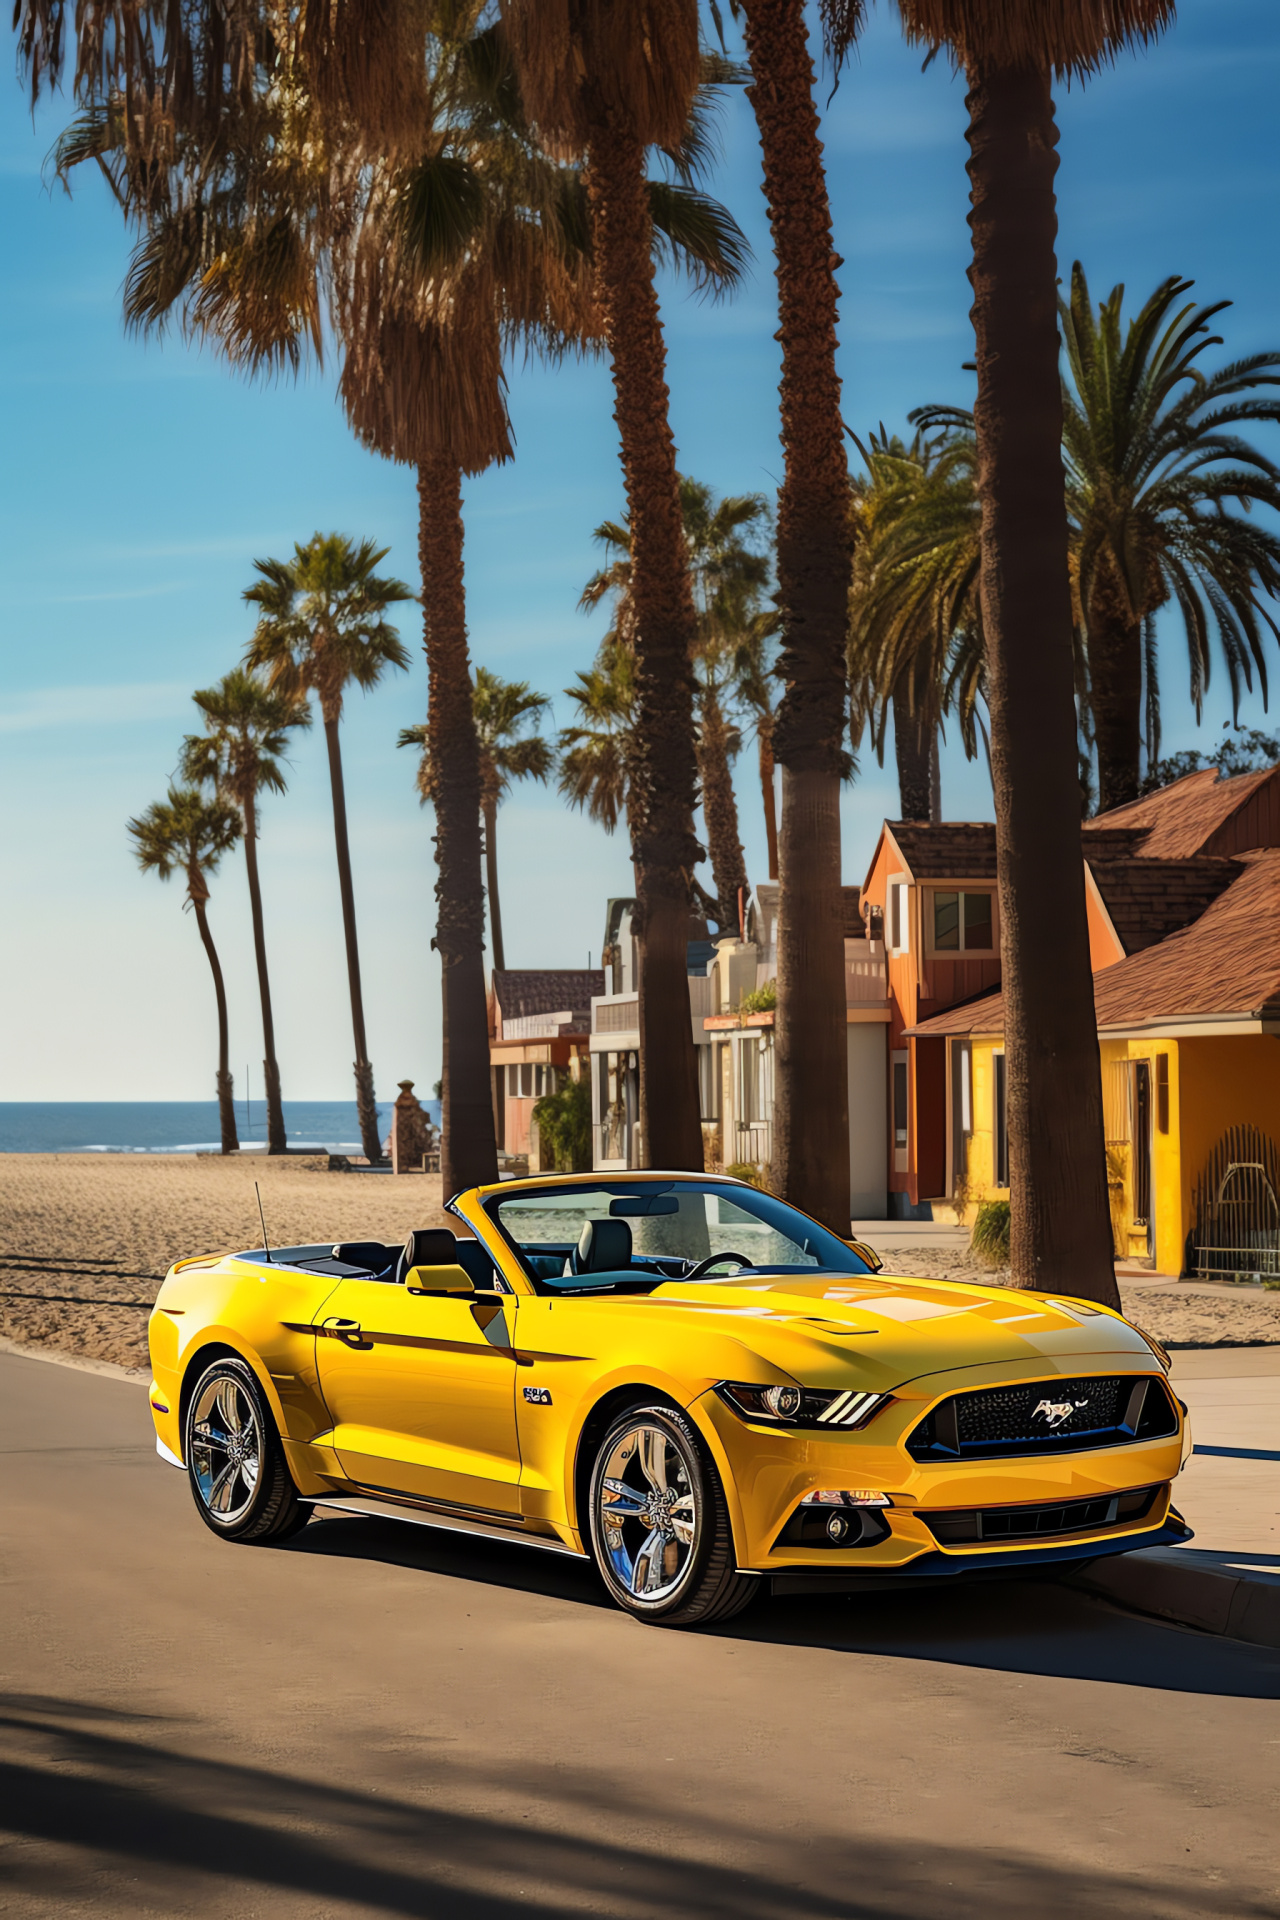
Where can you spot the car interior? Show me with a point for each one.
(373, 1260)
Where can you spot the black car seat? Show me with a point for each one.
(377, 1260)
(427, 1247)
(604, 1246)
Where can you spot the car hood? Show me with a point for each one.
(898, 1327)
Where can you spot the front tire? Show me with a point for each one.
(235, 1462)
(660, 1523)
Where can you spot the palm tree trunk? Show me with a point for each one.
(1115, 683)
(764, 746)
(226, 1091)
(913, 737)
(490, 811)
(811, 1113)
(1061, 1230)
(663, 769)
(720, 811)
(366, 1104)
(468, 1153)
(277, 1142)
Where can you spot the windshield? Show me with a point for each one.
(629, 1236)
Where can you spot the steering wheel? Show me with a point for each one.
(713, 1260)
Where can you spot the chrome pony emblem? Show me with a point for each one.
(1055, 1412)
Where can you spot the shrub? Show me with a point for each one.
(761, 999)
(990, 1239)
(563, 1120)
(744, 1170)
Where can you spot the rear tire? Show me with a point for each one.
(659, 1523)
(235, 1463)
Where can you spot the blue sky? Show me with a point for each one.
(140, 480)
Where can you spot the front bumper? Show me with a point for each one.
(771, 1469)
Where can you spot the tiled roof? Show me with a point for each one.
(1226, 963)
(1181, 820)
(521, 992)
(1150, 899)
(952, 850)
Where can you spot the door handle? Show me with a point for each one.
(340, 1329)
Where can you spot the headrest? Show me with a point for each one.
(604, 1246)
(427, 1247)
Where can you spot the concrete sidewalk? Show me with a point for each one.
(1227, 1579)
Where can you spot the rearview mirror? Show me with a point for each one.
(439, 1280)
(637, 1206)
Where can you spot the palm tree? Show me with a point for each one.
(728, 577)
(1061, 1230)
(753, 684)
(915, 626)
(502, 708)
(811, 1118)
(322, 627)
(595, 752)
(185, 833)
(1154, 461)
(605, 84)
(246, 732)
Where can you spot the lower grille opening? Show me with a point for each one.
(975, 1526)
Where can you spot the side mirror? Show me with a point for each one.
(869, 1254)
(446, 1280)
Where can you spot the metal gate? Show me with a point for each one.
(1237, 1230)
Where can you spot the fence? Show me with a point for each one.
(1237, 1202)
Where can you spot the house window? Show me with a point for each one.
(749, 1069)
(1162, 1092)
(899, 922)
(708, 1083)
(962, 923)
(513, 1082)
(1000, 1118)
(526, 1081)
(961, 1109)
(900, 1102)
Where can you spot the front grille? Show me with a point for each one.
(1047, 1416)
(971, 1526)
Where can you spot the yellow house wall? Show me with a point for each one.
(980, 1152)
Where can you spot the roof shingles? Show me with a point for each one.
(1225, 964)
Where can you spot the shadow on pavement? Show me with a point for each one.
(128, 1826)
(1012, 1626)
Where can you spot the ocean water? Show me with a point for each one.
(178, 1126)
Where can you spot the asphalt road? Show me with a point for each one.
(378, 1720)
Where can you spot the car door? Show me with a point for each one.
(421, 1392)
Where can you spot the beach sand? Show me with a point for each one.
(133, 1215)
(81, 1231)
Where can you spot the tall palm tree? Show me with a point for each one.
(238, 755)
(187, 834)
(322, 627)
(503, 709)
(1154, 462)
(605, 84)
(1060, 1222)
(811, 1118)
(915, 626)
(728, 577)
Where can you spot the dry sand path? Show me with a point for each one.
(79, 1232)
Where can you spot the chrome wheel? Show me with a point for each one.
(225, 1449)
(648, 1514)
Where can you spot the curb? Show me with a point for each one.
(1161, 1581)
(137, 1376)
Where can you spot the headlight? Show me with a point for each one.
(801, 1406)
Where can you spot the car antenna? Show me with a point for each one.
(262, 1216)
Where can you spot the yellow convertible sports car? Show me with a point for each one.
(676, 1376)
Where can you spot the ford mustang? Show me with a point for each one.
(676, 1376)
